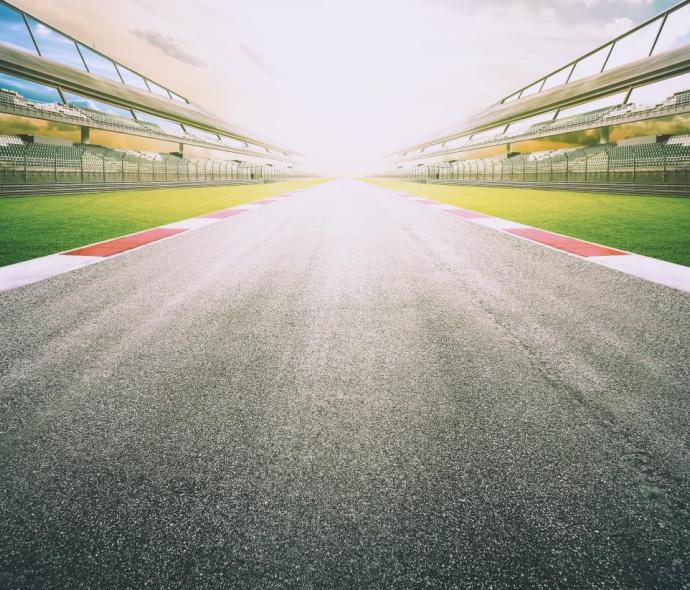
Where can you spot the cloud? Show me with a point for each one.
(257, 59)
(169, 45)
(619, 25)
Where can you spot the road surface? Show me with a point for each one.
(345, 389)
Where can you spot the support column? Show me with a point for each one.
(604, 135)
(180, 149)
(85, 134)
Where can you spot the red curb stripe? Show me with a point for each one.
(425, 202)
(564, 243)
(262, 202)
(223, 213)
(125, 243)
(467, 214)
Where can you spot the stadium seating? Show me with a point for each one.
(680, 140)
(602, 117)
(11, 101)
(10, 139)
(679, 99)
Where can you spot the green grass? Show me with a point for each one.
(36, 226)
(653, 226)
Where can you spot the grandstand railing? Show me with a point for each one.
(653, 164)
(36, 164)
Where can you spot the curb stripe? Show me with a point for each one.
(119, 245)
(572, 245)
(26, 272)
(193, 223)
(223, 214)
(466, 213)
(651, 269)
(498, 223)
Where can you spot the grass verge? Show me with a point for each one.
(37, 226)
(653, 226)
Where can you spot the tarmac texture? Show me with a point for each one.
(345, 390)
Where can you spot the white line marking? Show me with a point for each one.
(644, 267)
(193, 223)
(497, 223)
(30, 271)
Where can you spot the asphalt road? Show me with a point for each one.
(345, 390)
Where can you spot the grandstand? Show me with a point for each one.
(75, 117)
(61, 163)
(617, 117)
(25, 164)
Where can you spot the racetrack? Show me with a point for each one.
(345, 389)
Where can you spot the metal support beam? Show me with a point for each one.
(643, 71)
(37, 69)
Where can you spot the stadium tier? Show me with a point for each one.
(59, 96)
(619, 114)
(679, 103)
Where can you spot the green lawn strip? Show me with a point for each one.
(37, 226)
(649, 225)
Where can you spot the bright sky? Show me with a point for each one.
(344, 81)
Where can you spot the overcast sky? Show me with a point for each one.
(344, 81)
